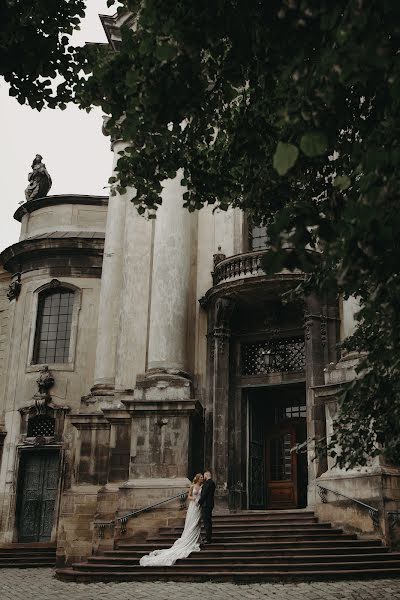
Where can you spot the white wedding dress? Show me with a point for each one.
(185, 545)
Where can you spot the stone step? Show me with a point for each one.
(232, 545)
(254, 526)
(24, 556)
(236, 537)
(259, 575)
(27, 564)
(217, 561)
(209, 552)
(250, 527)
(210, 566)
(248, 547)
(268, 516)
(34, 547)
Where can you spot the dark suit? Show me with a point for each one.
(206, 504)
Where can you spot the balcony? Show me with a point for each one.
(239, 266)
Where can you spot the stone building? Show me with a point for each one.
(135, 353)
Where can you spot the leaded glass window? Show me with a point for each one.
(53, 327)
(258, 238)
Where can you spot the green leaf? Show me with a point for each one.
(285, 157)
(314, 143)
(165, 52)
(342, 182)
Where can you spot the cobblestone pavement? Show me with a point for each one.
(40, 584)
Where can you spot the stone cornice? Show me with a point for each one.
(14, 257)
(113, 23)
(270, 284)
(32, 205)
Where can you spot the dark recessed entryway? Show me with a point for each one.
(38, 484)
(277, 423)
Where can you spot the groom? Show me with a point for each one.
(206, 504)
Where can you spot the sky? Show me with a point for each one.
(76, 153)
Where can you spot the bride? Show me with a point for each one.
(190, 538)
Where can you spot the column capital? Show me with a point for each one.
(224, 308)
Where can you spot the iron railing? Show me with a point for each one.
(373, 512)
(123, 519)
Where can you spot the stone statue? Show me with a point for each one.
(39, 180)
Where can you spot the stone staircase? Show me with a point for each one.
(249, 546)
(24, 556)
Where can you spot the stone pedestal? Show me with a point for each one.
(376, 485)
(166, 421)
(166, 439)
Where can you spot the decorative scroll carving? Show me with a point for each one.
(393, 519)
(39, 180)
(307, 325)
(223, 312)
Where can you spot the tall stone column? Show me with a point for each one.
(170, 282)
(134, 309)
(220, 393)
(166, 418)
(110, 291)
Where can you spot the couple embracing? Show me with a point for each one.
(201, 504)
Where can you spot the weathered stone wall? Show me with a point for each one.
(57, 214)
(71, 258)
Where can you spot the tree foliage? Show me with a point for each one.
(36, 55)
(288, 109)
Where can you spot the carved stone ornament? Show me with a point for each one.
(307, 325)
(39, 180)
(223, 312)
(218, 257)
(45, 381)
(54, 283)
(324, 330)
(39, 440)
(14, 288)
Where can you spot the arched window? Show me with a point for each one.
(258, 238)
(53, 326)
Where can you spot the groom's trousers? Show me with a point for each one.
(206, 515)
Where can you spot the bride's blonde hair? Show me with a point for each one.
(197, 477)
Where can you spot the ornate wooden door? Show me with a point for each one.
(37, 495)
(281, 468)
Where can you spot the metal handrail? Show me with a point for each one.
(122, 520)
(372, 511)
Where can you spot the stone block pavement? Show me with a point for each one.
(40, 584)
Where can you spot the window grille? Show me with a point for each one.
(286, 355)
(41, 425)
(53, 327)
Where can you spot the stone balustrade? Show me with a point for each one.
(239, 266)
